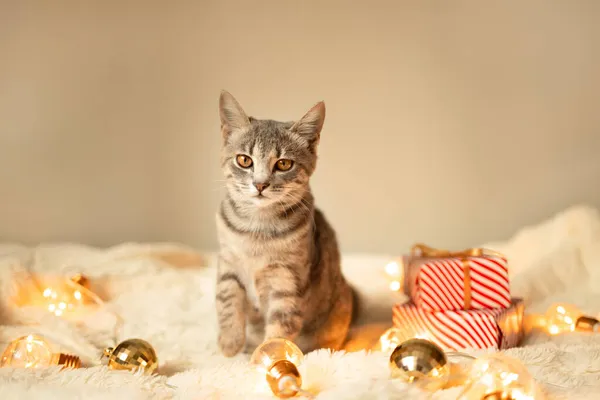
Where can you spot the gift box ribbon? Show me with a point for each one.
(422, 250)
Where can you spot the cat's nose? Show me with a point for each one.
(261, 186)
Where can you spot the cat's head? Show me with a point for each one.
(264, 161)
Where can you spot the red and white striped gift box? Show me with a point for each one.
(457, 330)
(458, 283)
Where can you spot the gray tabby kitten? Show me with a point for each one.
(279, 270)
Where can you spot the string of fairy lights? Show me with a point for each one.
(414, 360)
(62, 297)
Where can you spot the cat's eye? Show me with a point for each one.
(283, 164)
(244, 161)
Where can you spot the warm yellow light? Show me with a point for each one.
(393, 269)
(59, 302)
(278, 360)
(390, 340)
(517, 394)
(60, 296)
(499, 373)
(562, 318)
(33, 351)
(394, 337)
(274, 350)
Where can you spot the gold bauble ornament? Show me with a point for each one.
(132, 355)
(420, 362)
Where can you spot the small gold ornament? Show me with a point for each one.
(421, 362)
(132, 355)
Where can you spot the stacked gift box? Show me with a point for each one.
(459, 300)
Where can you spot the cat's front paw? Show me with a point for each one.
(231, 342)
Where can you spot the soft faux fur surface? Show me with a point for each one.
(165, 295)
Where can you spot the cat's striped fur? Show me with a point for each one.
(279, 266)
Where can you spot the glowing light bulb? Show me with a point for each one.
(393, 269)
(562, 318)
(395, 336)
(61, 296)
(278, 360)
(497, 376)
(395, 272)
(391, 339)
(33, 351)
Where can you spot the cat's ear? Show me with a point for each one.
(232, 114)
(309, 126)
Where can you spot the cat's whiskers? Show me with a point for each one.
(283, 208)
(302, 202)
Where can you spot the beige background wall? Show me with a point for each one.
(448, 122)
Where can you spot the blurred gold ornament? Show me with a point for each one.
(33, 351)
(278, 360)
(420, 362)
(497, 376)
(568, 318)
(132, 355)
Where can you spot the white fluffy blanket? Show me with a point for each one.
(165, 295)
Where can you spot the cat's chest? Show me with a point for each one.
(258, 249)
(251, 271)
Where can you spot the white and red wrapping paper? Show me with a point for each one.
(457, 281)
(461, 329)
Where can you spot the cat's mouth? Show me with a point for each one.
(260, 200)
